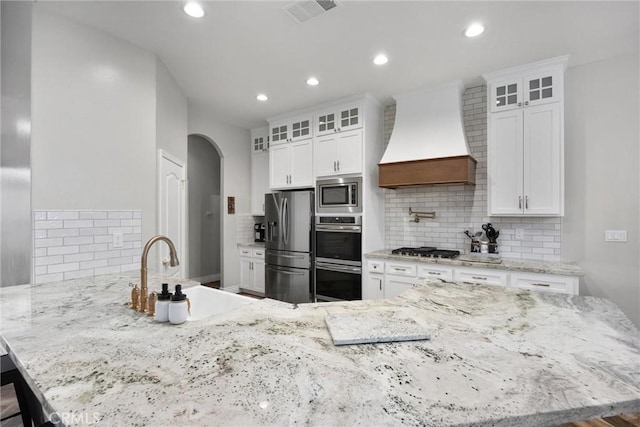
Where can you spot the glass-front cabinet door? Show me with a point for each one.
(279, 134)
(506, 95)
(301, 129)
(542, 87)
(350, 118)
(326, 123)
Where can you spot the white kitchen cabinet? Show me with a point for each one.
(373, 281)
(338, 153)
(291, 165)
(389, 278)
(529, 85)
(291, 130)
(252, 270)
(525, 146)
(428, 271)
(545, 282)
(482, 276)
(338, 119)
(395, 285)
(259, 169)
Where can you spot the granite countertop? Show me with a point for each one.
(499, 357)
(488, 261)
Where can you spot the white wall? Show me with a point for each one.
(234, 149)
(602, 186)
(171, 114)
(93, 110)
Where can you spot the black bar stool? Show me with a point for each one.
(10, 374)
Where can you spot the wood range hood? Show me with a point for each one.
(446, 170)
(428, 143)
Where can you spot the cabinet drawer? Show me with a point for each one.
(375, 266)
(400, 269)
(245, 252)
(544, 282)
(480, 276)
(428, 271)
(258, 253)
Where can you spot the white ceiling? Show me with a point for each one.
(242, 48)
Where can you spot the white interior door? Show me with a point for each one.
(172, 212)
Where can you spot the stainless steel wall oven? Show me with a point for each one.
(338, 267)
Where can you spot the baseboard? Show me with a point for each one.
(207, 279)
(232, 289)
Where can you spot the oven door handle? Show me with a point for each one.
(335, 267)
(339, 228)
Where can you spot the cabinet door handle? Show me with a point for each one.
(399, 269)
(519, 202)
(519, 104)
(338, 162)
(526, 202)
(546, 285)
(435, 273)
(334, 165)
(526, 102)
(478, 278)
(380, 283)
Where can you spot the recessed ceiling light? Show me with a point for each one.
(312, 81)
(474, 30)
(380, 59)
(262, 97)
(194, 10)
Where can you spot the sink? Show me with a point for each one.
(207, 302)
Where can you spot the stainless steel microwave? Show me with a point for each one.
(339, 195)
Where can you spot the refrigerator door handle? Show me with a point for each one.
(285, 220)
(280, 221)
(290, 273)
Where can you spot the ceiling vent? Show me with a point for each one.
(303, 10)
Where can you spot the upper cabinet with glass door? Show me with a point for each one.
(338, 119)
(524, 87)
(292, 130)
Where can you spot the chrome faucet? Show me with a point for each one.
(173, 262)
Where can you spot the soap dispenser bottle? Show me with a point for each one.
(179, 307)
(162, 304)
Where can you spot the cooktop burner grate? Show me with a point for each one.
(426, 251)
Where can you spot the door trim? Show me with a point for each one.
(164, 155)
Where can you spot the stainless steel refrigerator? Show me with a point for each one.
(289, 222)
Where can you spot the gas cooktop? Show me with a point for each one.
(426, 251)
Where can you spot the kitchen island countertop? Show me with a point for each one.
(482, 261)
(499, 357)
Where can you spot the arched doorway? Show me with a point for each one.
(204, 177)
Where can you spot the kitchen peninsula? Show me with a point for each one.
(500, 357)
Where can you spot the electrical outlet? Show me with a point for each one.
(519, 233)
(615, 236)
(118, 240)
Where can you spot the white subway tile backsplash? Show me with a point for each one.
(464, 207)
(72, 244)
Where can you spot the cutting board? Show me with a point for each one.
(366, 328)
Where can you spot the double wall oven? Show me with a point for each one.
(338, 267)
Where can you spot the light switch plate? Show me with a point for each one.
(118, 240)
(619, 236)
(519, 233)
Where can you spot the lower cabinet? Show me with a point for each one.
(545, 282)
(483, 276)
(252, 270)
(388, 279)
